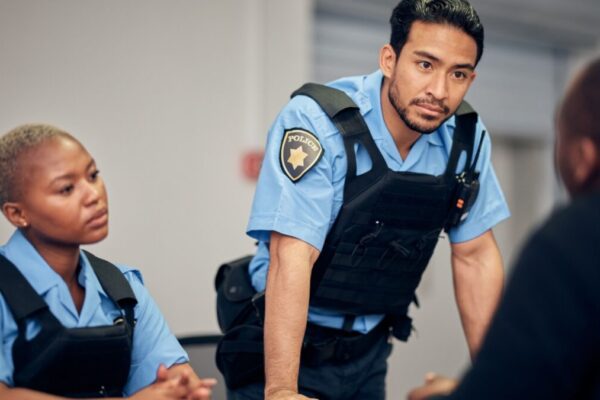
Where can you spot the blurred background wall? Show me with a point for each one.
(170, 96)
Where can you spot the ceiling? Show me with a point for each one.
(562, 24)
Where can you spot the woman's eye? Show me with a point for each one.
(66, 189)
(94, 175)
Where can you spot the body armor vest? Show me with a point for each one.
(385, 233)
(70, 362)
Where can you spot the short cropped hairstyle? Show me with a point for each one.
(12, 147)
(458, 13)
(581, 108)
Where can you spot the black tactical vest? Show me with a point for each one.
(70, 362)
(384, 236)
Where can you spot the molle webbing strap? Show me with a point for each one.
(115, 284)
(18, 293)
(464, 137)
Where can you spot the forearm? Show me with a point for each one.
(478, 280)
(8, 393)
(287, 297)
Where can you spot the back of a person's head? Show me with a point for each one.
(13, 145)
(578, 136)
(581, 108)
(457, 13)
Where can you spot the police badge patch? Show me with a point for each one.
(300, 151)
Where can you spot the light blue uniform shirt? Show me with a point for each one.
(153, 343)
(308, 208)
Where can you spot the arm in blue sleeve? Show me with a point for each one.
(153, 342)
(301, 209)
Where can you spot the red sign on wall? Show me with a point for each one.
(251, 162)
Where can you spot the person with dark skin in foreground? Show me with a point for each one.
(544, 341)
(50, 190)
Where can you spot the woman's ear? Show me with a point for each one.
(15, 214)
(387, 60)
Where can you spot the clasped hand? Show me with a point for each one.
(179, 383)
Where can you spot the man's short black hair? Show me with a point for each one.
(458, 13)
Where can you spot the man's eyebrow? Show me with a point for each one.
(425, 54)
(431, 57)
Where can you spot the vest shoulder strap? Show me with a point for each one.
(115, 285)
(20, 296)
(23, 300)
(112, 281)
(331, 100)
(464, 137)
(345, 115)
(340, 108)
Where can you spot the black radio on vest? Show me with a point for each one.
(75, 362)
(390, 222)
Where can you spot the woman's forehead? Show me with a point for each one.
(54, 156)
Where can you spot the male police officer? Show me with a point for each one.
(367, 206)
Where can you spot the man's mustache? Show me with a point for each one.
(431, 101)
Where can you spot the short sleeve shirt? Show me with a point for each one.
(153, 342)
(307, 208)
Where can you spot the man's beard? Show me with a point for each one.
(403, 112)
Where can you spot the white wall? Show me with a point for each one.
(166, 95)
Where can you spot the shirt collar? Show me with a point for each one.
(36, 270)
(87, 277)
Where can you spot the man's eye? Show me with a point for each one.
(425, 64)
(460, 75)
(94, 175)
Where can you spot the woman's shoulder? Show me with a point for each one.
(132, 274)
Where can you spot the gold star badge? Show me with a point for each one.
(300, 151)
(297, 157)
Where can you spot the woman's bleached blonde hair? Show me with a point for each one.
(12, 146)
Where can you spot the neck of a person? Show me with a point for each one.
(594, 185)
(62, 258)
(403, 136)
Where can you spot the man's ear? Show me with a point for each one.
(387, 60)
(14, 213)
(588, 161)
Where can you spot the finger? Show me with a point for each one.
(430, 377)
(208, 382)
(162, 373)
(200, 394)
(184, 378)
(176, 389)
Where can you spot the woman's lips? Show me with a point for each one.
(100, 218)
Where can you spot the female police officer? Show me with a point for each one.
(73, 325)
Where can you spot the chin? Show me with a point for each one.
(424, 123)
(94, 237)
